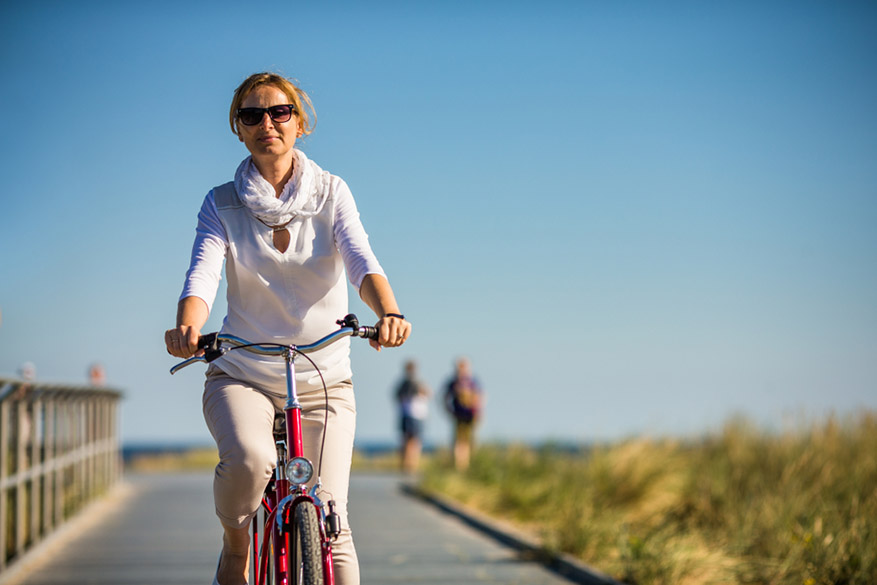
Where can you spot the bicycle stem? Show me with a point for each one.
(292, 409)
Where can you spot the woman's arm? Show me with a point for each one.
(365, 272)
(202, 280)
(377, 294)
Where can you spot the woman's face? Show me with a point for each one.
(268, 139)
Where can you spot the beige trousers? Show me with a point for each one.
(241, 420)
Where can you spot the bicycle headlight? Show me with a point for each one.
(299, 471)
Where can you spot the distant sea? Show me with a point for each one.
(139, 449)
(366, 447)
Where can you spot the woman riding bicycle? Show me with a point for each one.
(287, 231)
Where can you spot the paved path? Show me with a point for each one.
(163, 532)
(399, 539)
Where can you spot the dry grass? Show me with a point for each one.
(741, 506)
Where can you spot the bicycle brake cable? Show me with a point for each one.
(325, 413)
(325, 393)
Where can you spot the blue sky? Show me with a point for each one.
(634, 218)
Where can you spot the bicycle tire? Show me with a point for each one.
(306, 562)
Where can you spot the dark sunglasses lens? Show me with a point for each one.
(250, 116)
(280, 113)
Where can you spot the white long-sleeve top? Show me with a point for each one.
(293, 297)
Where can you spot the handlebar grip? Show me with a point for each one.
(210, 345)
(368, 332)
(206, 341)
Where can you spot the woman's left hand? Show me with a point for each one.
(392, 332)
(392, 328)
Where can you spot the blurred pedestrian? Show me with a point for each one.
(24, 418)
(97, 375)
(28, 372)
(412, 396)
(464, 400)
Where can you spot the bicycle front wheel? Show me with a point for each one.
(306, 559)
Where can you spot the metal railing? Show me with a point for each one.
(59, 450)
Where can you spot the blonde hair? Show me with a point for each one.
(296, 95)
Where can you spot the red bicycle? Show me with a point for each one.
(294, 530)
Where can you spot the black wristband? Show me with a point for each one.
(397, 315)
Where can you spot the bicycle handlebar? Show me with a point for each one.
(212, 343)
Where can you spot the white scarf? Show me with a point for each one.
(303, 195)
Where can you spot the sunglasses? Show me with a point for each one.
(253, 116)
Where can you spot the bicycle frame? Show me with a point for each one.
(281, 500)
(282, 496)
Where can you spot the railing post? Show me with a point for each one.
(107, 439)
(79, 448)
(20, 454)
(48, 458)
(36, 433)
(62, 448)
(114, 437)
(88, 459)
(4, 472)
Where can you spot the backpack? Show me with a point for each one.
(464, 399)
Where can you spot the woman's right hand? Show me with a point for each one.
(182, 342)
